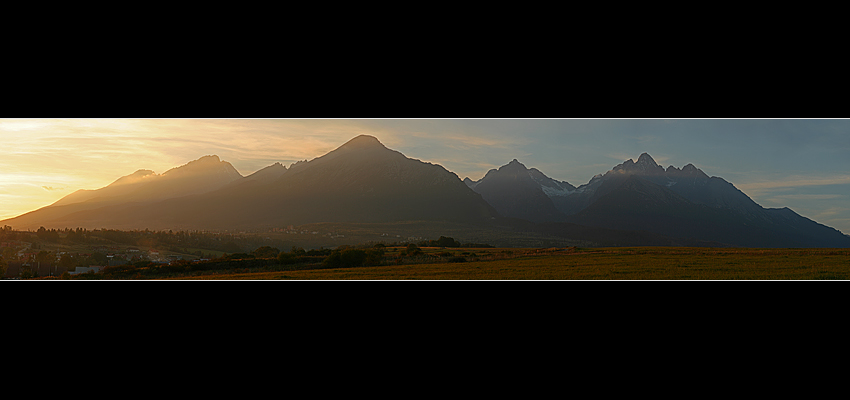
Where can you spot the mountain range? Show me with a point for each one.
(362, 181)
(644, 196)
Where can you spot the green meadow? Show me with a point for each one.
(632, 263)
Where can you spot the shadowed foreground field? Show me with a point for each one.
(642, 263)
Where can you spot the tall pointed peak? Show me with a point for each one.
(691, 170)
(645, 165)
(205, 165)
(645, 158)
(363, 141)
(514, 164)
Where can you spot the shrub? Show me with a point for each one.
(374, 256)
(334, 260)
(237, 256)
(349, 257)
(286, 258)
(447, 242)
(265, 252)
(412, 250)
(319, 252)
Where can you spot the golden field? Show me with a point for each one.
(632, 263)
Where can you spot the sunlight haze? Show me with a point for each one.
(800, 164)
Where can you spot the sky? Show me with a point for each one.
(803, 164)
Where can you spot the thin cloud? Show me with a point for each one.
(457, 141)
(808, 196)
(794, 181)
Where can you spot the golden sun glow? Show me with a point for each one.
(800, 164)
(43, 160)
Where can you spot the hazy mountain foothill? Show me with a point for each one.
(364, 187)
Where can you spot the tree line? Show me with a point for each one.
(178, 242)
(270, 258)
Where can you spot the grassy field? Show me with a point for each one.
(636, 263)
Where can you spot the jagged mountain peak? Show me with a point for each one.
(645, 165)
(688, 171)
(514, 165)
(274, 168)
(299, 163)
(363, 141)
(364, 182)
(206, 165)
(361, 148)
(646, 159)
(266, 174)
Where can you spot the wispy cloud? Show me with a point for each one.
(68, 154)
(794, 181)
(460, 141)
(808, 196)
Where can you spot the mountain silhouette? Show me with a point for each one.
(643, 196)
(361, 181)
(143, 186)
(518, 192)
(687, 203)
(364, 182)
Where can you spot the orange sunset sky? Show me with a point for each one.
(801, 164)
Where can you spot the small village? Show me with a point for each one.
(21, 256)
(28, 255)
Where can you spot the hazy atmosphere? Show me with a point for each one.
(800, 164)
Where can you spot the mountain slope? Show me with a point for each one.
(361, 181)
(144, 186)
(517, 192)
(688, 203)
(121, 187)
(691, 183)
(634, 203)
